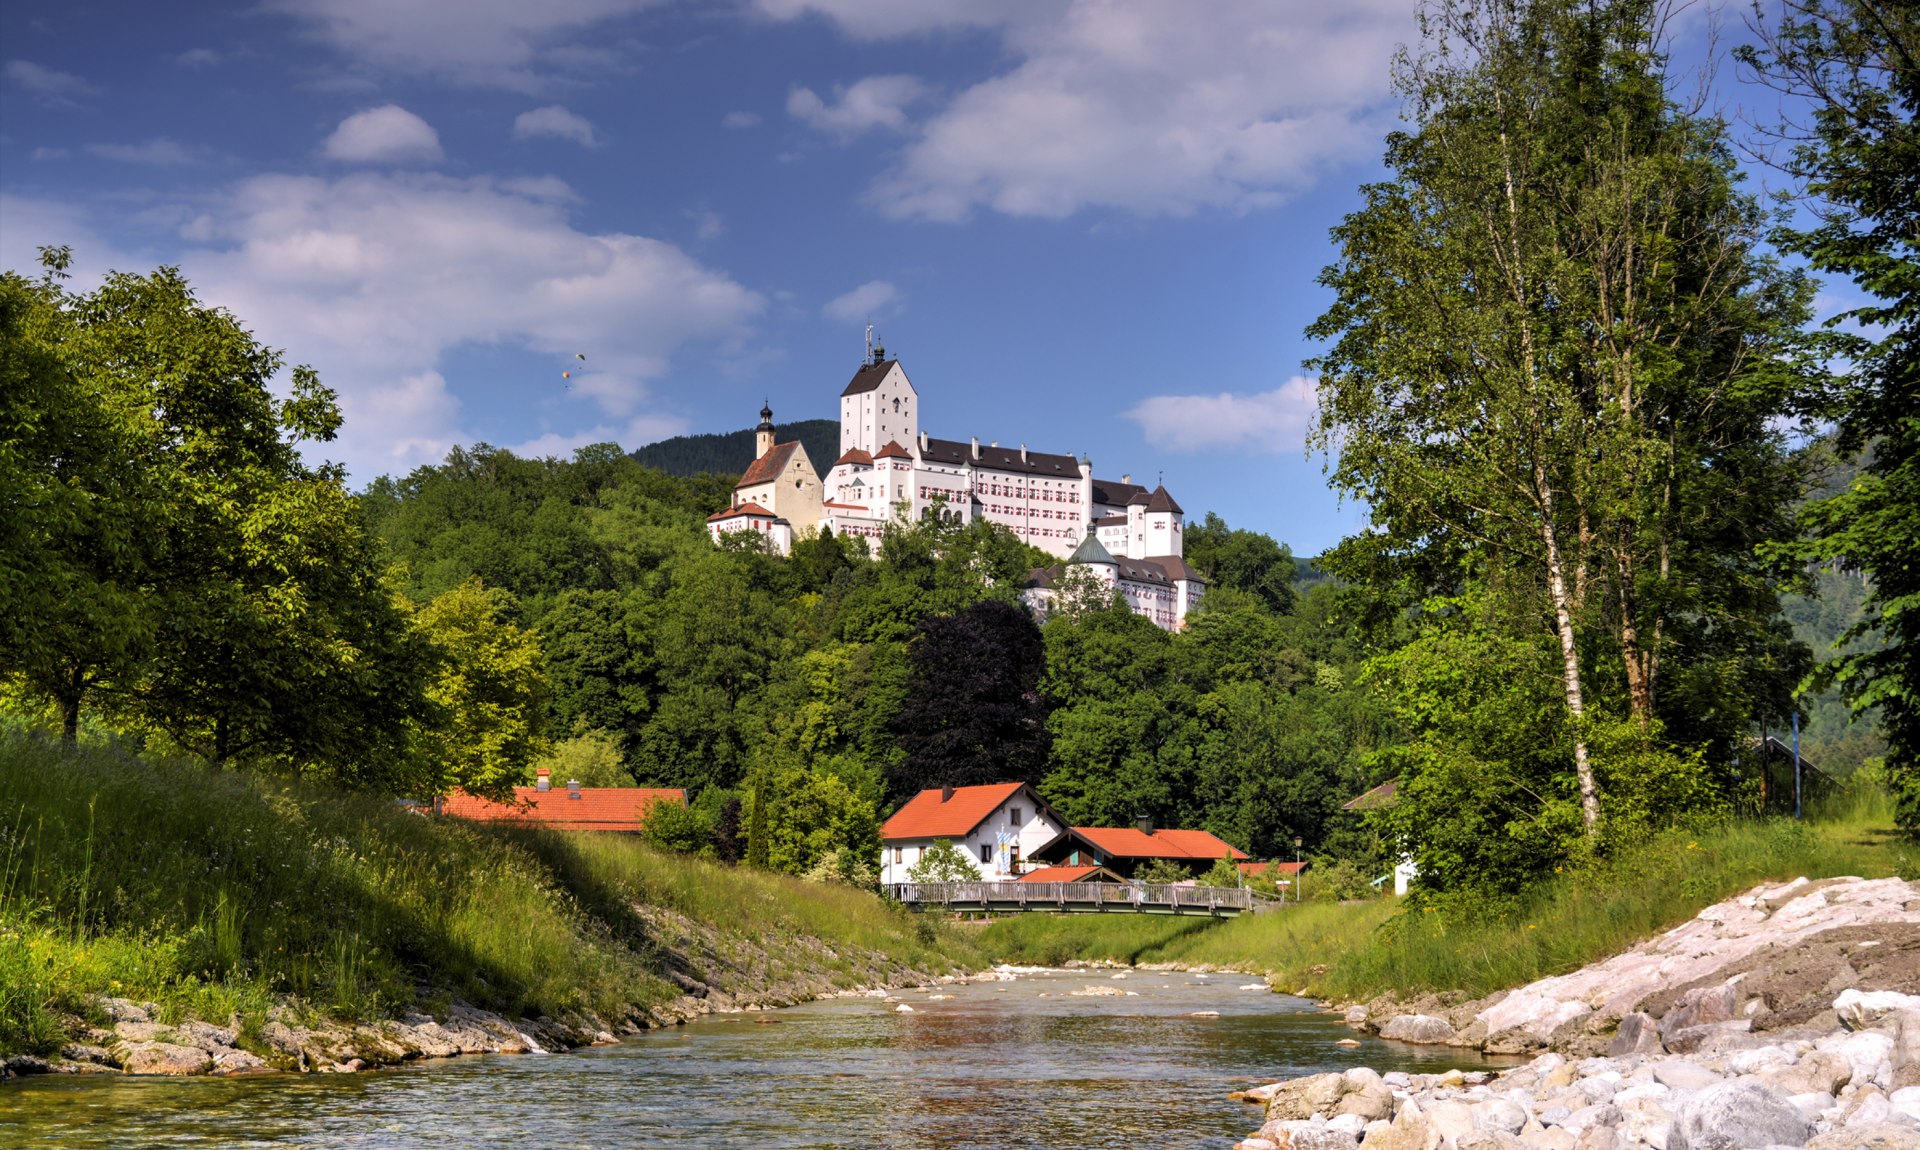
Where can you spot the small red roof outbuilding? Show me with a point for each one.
(595, 808)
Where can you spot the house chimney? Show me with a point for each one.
(1023, 453)
(1144, 823)
(1127, 478)
(573, 788)
(946, 792)
(976, 447)
(543, 779)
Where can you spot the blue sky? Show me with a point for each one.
(1084, 226)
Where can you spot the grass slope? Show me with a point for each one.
(216, 893)
(1357, 950)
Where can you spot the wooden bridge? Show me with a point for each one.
(1079, 897)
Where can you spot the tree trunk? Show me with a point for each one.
(70, 707)
(1638, 659)
(1569, 655)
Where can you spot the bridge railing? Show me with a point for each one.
(1043, 894)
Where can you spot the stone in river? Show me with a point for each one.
(1423, 1028)
(164, 1058)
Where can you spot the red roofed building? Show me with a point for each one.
(998, 826)
(1123, 849)
(619, 809)
(779, 489)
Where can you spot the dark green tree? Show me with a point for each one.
(972, 713)
(1855, 66)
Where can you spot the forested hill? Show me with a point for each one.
(728, 453)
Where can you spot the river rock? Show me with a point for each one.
(1680, 1075)
(1882, 1137)
(1904, 1061)
(1309, 1135)
(1302, 1098)
(1868, 1055)
(1502, 1115)
(1737, 1116)
(1639, 1033)
(1818, 1072)
(1423, 1028)
(1860, 1009)
(1369, 1103)
(163, 1058)
(1357, 1016)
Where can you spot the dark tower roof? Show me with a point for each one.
(766, 417)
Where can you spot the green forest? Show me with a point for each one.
(1631, 506)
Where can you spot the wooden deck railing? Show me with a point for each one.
(1075, 896)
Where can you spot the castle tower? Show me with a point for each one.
(763, 435)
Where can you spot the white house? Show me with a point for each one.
(999, 827)
(889, 467)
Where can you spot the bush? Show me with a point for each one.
(943, 862)
(1161, 871)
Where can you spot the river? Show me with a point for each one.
(1025, 1064)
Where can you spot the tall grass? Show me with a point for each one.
(217, 893)
(1357, 950)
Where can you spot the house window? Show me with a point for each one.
(897, 852)
(1016, 813)
(986, 852)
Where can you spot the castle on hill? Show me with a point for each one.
(1128, 538)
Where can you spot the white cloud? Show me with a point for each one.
(1270, 421)
(161, 152)
(557, 122)
(875, 102)
(51, 153)
(863, 302)
(1138, 105)
(387, 134)
(739, 120)
(375, 277)
(495, 43)
(635, 433)
(47, 85)
(707, 223)
(197, 58)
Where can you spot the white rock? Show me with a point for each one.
(1813, 1104)
(1758, 1059)
(1684, 1075)
(1349, 1124)
(1859, 1009)
(903, 1008)
(1869, 1052)
(1871, 1110)
(1906, 1100)
(1501, 1115)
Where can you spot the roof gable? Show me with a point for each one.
(854, 455)
(748, 510)
(1161, 501)
(770, 466)
(928, 816)
(893, 450)
(869, 377)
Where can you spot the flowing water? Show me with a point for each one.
(1019, 1065)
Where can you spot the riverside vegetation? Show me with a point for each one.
(233, 896)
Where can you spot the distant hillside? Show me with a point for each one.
(728, 453)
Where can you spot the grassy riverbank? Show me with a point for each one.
(1357, 950)
(220, 893)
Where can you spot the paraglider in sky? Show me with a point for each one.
(579, 355)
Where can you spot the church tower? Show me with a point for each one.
(763, 435)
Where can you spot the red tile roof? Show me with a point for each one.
(770, 465)
(926, 816)
(1278, 867)
(597, 808)
(854, 455)
(893, 450)
(750, 510)
(1061, 874)
(1131, 842)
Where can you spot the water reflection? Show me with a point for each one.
(1024, 1065)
